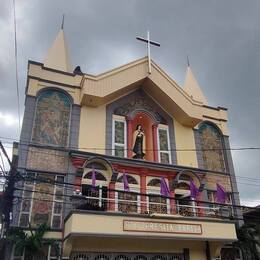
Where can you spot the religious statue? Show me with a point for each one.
(139, 145)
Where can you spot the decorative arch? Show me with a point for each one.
(212, 146)
(99, 176)
(52, 118)
(101, 164)
(155, 182)
(130, 179)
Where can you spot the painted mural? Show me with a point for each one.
(212, 148)
(51, 125)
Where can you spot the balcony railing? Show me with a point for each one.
(151, 204)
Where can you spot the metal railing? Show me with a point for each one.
(151, 204)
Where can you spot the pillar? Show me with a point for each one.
(172, 195)
(143, 191)
(129, 137)
(155, 144)
(111, 196)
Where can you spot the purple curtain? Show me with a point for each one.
(221, 194)
(125, 181)
(194, 191)
(164, 188)
(93, 177)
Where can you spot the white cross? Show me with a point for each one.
(148, 41)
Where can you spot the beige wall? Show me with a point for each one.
(86, 224)
(92, 132)
(184, 138)
(98, 244)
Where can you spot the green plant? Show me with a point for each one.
(248, 238)
(32, 241)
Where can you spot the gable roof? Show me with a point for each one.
(108, 86)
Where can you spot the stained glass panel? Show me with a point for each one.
(119, 132)
(164, 157)
(51, 124)
(125, 206)
(119, 151)
(163, 140)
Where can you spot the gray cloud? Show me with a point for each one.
(222, 39)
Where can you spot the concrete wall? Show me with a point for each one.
(185, 140)
(92, 129)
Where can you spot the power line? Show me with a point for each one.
(54, 182)
(16, 67)
(231, 177)
(127, 149)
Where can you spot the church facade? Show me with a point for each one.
(111, 163)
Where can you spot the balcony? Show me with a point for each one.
(152, 205)
(123, 221)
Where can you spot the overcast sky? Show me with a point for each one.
(221, 37)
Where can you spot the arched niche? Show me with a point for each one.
(146, 120)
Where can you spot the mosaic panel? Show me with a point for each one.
(212, 148)
(51, 125)
(47, 160)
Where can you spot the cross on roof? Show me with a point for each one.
(149, 42)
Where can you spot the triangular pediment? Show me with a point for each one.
(104, 88)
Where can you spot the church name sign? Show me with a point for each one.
(162, 227)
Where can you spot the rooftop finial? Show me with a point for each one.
(62, 23)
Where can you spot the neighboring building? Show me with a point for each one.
(79, 131)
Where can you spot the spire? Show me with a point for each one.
(57, 56)
(192, 87)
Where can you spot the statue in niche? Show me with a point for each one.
(139, 145)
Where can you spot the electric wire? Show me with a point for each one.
(63, 156)
(16, 67)
(126, 149)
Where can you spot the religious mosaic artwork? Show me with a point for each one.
(42, 204)
(51, 125)
(212, 148)
(42, 201)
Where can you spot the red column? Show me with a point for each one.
(111, 195)
(129, 137)
(77, 185)
(155, 145)
(172, 195)
(200, 212)
(143, 191)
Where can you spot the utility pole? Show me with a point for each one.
(8, 195)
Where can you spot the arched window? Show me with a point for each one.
(130, 179)
(51, 123)
(156, 203)
(154, 183)
(128, 202)
(212, 147)
(99, 176)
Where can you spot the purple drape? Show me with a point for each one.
(164, 188)
(221, 194)
(194, 191)
(125, 181)
(93, 178)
